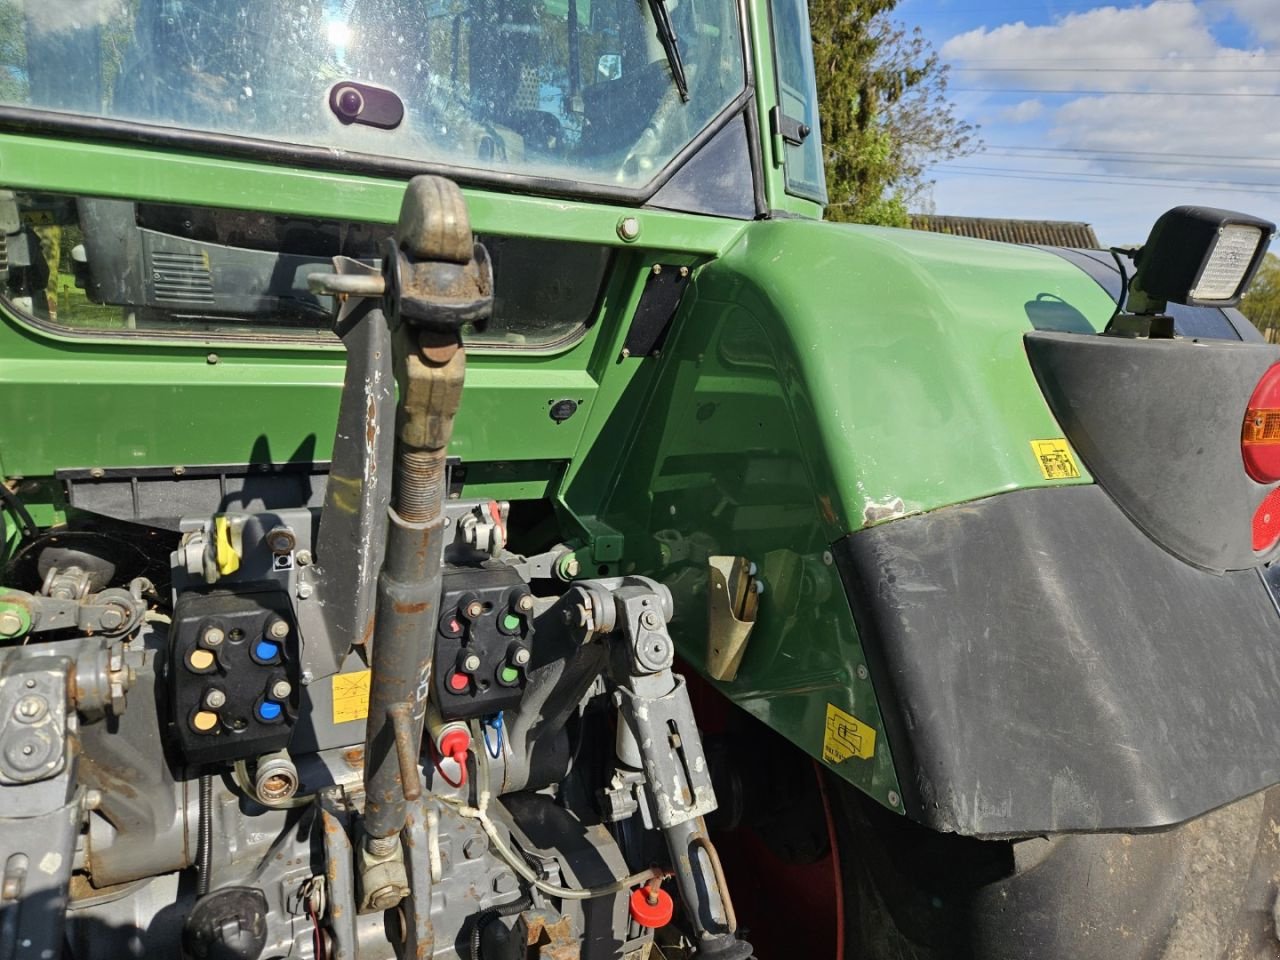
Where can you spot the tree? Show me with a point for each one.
(883, 107)
(1262, 303)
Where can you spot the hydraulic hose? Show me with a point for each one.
(485, 917)
(521, 868)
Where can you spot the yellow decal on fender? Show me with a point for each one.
(1055, 459)
(351, 696)
(846, 736)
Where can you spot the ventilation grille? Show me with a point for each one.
(181, 278)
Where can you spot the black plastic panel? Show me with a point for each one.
(245, 667)
(1157, 422)
(494, 637)
(1043, 666)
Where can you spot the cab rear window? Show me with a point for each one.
(109, 266)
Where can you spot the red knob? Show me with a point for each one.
(651, 907)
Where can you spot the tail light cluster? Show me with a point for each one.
(1260, 447)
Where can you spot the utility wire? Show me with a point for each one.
(1189, 72)
(1179, 58)
(1133, 153)
(1133, 184)
(1112, 93)
(1021, 173)
(1144, 161)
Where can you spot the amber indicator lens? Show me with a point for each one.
(1260, 433)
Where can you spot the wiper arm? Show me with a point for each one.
(670, 46)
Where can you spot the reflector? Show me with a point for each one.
(1266, 523)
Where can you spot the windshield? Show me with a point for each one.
(578, 90)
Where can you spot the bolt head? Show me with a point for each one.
(474, 609)
(572, 568)
(303, 558)
(629, 228)
(213, 637)
(474, 848)
(384, 898)
(281, 689)
(281, 540)
(504, 882)
(10, 624)
(278, 629)
(471, 663)
(520, 657)
(650, 620)
(31, 708)
(111, 618)
(304, 591)
(214, 698)
(525, 603)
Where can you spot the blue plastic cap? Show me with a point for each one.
(269, 710)
(266, 650)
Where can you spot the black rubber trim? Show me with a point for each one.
(1043, 666)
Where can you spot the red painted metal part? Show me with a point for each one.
(785, 909)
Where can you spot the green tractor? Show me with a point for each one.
(461, 501)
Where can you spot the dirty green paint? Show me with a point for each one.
(818, 370)
(818, 378)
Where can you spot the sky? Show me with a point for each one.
(1109, 113)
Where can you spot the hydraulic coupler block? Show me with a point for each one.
(233, 673)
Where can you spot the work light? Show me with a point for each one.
(1198, 256)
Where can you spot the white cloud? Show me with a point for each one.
(1262, 16)
(1022, 112)
(1168, 47)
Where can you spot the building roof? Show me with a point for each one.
(1057, 233)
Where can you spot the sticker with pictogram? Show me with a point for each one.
(351, 696)
(1055, 459)
(846, 736)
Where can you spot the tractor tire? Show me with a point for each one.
(1202, 890)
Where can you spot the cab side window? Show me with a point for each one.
(795, 119)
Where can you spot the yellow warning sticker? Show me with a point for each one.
(1055, 459)
(351, 696)
(846, 736)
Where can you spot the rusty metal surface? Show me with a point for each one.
(550, 939)
(352, 536)
(341, 897)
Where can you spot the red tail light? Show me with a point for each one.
(1260, 435)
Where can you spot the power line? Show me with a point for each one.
(1126, 185)
(1140, 161)
(1193, 71)
(1262, 188)
(1164, 59)
(1109, 93)
(1132, 153)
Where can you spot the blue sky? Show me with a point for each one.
(1109, 113)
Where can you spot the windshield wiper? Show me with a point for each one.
(667, 37)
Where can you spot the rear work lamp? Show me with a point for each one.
(1198, 256)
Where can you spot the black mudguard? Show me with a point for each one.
(1044, 666)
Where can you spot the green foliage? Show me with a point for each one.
(13, 53)
(885, 116)
(1262, 303)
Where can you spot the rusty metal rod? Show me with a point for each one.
(430, 372)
